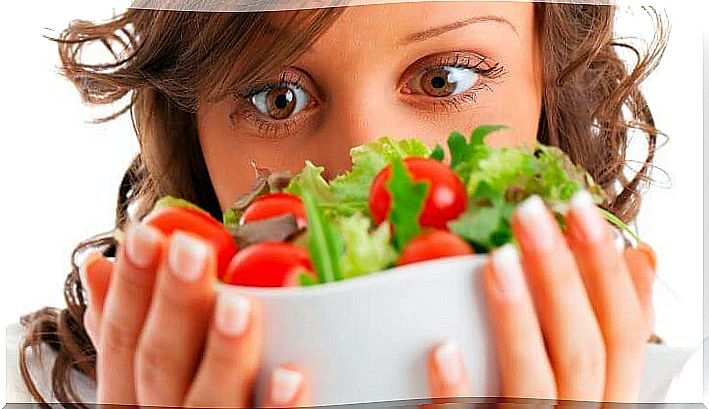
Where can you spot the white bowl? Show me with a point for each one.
(367, 339)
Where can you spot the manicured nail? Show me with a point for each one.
(284, 385)
(448, 361)
(187, 256)
(141, 243)
(232, 314)
(509, 275)
(592, 225)
(650, 254)
(534, 216)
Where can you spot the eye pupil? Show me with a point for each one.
(438, 82)
(280, 102)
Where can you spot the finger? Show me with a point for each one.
(613, 296)
(525, 369)
(287, 388)
(125, 309)
(573, 336)
(175, 330)
(95, 274)
(447, 375)
(643, 276)
(229, 366)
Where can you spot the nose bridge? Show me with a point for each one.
(364, 108)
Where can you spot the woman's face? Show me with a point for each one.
(415, 70)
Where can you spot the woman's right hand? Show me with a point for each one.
(165, 338)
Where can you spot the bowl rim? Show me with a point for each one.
(400, 273)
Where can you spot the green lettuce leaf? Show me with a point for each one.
(324, 244)
(367, 160)
(364, 251)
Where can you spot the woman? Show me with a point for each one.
(212, 94)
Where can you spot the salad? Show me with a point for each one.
(402, 202)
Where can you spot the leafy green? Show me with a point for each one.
(486, 222)
(407, 202)
(231, 217)
(364, 251)
(306, 280)
(349, 193)
(466, 155)
(367, 161)
(438, 153)
(324, 244)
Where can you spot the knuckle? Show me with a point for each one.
(589, 362)
(155, 362)
(118, 336)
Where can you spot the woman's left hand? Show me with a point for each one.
(570, 312)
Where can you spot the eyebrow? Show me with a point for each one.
(437, 31)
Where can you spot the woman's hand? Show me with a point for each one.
(570, 313)
(164, 338)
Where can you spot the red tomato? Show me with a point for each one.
(274, 205)
(269, 264)
(171, 219)
(431, 245)
(445, 201)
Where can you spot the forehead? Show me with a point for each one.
(397, 18)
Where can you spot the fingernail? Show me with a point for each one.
(285, 385)
(187, 256)
(509, 275)
(650, 254)
(534, 216)
(448, 361)
(141, 242)
(232, 314)
(91, 258)
(586, 212)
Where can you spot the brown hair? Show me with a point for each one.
(166, 62)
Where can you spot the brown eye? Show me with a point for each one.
(436, 84)
(445, 81)
(280, 102)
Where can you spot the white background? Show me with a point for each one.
(60, 174)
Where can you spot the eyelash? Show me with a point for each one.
(274, 128)
(488, 76)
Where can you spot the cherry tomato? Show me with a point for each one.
(433, 244)
(269, 264)
(274, 205)
(171, 219)
(445, 201)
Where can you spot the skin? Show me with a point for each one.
(574, 328)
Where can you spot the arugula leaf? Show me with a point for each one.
(407, 202)
(466, 155)
(365, 251)
(438, 153)
(323, 243)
